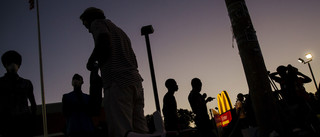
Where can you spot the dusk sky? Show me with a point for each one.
(192, 38)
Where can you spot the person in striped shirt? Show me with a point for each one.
(122, 83)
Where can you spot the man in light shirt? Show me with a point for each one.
(122, 83)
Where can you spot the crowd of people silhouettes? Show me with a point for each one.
(124, 96)
(298, 106)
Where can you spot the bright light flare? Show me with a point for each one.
(309, 56)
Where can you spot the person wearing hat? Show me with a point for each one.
(15, 115)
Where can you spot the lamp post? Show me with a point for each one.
(309, 57)
(146, 30)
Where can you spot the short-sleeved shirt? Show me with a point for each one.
(121, 65)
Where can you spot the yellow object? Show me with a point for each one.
(224, 102)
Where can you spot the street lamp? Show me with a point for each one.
(309, 57)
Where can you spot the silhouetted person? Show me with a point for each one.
(280, 76)
(198, 105)
(170, 106)
(241, 112)
(76, 109)
(15, 115)
(298, 99)
(122, 83)
(296, 81)
(239, 106)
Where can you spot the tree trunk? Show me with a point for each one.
(254, 67)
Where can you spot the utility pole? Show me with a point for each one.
(254, 67)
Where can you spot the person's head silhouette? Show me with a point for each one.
(171, 85)
(282, 70)
(240, 97)
(196, 84)
(11, 60)
(91, 14)
(77, 81)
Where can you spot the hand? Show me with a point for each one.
(209, 99)
(204, 95)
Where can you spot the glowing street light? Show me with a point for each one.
(309, 57)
